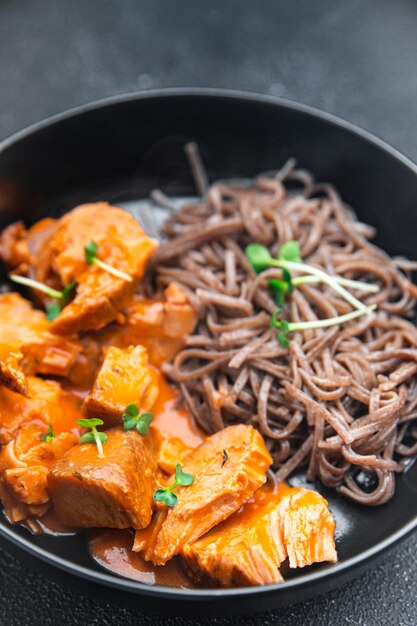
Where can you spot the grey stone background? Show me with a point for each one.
(354, 58)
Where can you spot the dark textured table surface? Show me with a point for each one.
(355, 59)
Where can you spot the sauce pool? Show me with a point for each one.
(112, 549)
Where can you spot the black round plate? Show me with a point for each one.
(120, 149)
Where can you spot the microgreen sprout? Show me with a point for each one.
(91, 258)
(286, 327)
(52, 311)
(181, 480)
(54, 308)
(289, 259)
(133, 419)
(47, 437)
(94, 436)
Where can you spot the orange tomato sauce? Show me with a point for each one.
(112, 549)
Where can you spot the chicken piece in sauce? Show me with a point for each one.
(309, 529)
(48, 403)
(58, 258)
(28, 347)
(124, 378)
(160, 325)
(19, 246)
(24, 466)
(110, 492)
(248, 548)
(219, 489)
(171, 451)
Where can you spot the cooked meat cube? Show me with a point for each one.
(246, 549)
(309, 529)
(19, 246)
(100, 296)
(48, 404)
(24, 466)
(110, 492)
(220, 487)
(171, 451)
(28, 347)
(249, 547)
(124, 378)
(161, 326)
(52, 252)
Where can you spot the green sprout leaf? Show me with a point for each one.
(54, 308)
(94, 436)
(132, 410)
(91, 257)
(181, 480)
(290, 251)
(283, 339)
(284, 328)
(68, 289)
(87, 438)
(132, 419)
(144, 422)
(165, 496)
(91, 252)
(258, 256)
(52, 311)
(47, 437)
(287, 278)
(95, 421)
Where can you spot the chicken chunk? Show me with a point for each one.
(160, 325)
(248, 547)
(48, 404)
(19, 246)
(222, 483)
(124, 378)
(171, 451)
(309, 529)
(28, 347)
(24, 466)
(122, 243)
(111, 492)
(55, 255)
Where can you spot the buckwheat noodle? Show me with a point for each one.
(340, 401)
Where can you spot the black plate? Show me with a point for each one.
(119, 150)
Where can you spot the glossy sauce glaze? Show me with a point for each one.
(170, 418)
(112, 549)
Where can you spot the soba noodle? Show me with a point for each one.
(341, 401)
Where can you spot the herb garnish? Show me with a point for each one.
(52, 311)
(47, 437)
(55, 308)
(94, 436)
(289, 327)
(181, 480)
(91, 257)
(289, 258)
(225, 457)
(132, 419)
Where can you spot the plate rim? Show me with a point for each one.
(158, 591)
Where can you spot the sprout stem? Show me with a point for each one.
(112, 270)
(345, 282)
(34, 284)
(99, 445)
(331, 321)
(309, 269)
